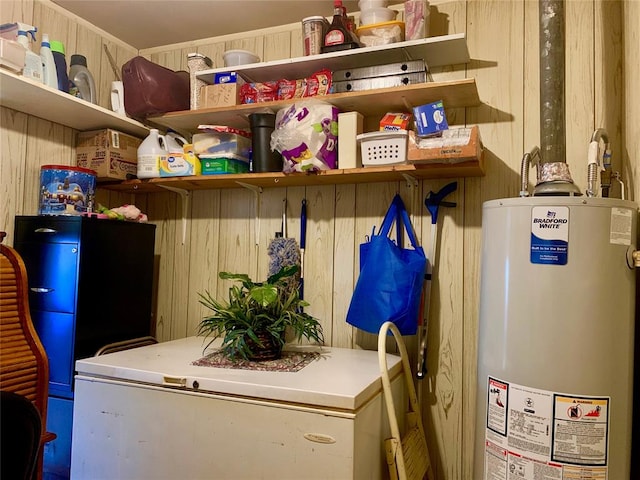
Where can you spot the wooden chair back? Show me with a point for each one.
(24, 366)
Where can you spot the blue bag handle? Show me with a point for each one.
(398, 211)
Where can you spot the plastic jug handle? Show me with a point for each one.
(117, 100)
(162, 140)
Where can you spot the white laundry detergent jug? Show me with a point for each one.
(176, 163)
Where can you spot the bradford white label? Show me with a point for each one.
(549, 235)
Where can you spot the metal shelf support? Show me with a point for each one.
(258, 191)
(185, 196)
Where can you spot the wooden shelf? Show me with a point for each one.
(446, 50)
(326, 177)
(36, 99)
(33, 98)
(435, 51)
(455, 93)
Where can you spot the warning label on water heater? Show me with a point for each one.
(549, 235)
(534, 434)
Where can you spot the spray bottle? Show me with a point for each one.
(32, 61)
(48, 63)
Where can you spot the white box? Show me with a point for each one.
(350, 124)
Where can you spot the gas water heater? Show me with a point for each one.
(556, 339)
(557, 308)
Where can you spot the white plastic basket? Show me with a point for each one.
(383, 148)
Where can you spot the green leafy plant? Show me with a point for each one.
(258, 313)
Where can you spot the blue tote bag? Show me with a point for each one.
(389, 286)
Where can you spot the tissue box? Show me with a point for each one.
(112, 154)
(456, 145)
(430, 118)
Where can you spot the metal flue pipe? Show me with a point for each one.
(553, 175)
(552, 51)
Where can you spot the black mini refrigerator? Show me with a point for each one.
(90, 284)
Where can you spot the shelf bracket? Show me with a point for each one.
(411, 181)
(407, 105)
(258, 191)
(185, 195)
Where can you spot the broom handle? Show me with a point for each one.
(284, 218)
(303, 243)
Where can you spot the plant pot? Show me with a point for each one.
(270, 348)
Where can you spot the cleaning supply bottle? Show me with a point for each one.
(32, 61)
(152, 153)
(57, 49)
(48, 63)
(81, 83)
(175, 164)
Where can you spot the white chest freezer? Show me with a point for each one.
(148, 413)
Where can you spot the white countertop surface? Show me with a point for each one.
(340, 378)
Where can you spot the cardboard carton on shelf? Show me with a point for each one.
(112, 154)
(455, 145)
(220, 95)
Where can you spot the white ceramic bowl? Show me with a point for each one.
(239, 57)
(369, 4)
(377, 15)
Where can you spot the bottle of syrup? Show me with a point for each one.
(338, 36)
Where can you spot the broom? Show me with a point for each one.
(283, 251)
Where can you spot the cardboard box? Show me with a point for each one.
(220, 95)
(227, 77)
(392, 122)
(456, 145)
(112, 154)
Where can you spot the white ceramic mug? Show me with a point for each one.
(117, 97)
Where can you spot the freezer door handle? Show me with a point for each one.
(174, 381)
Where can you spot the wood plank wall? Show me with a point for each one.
(226, 231)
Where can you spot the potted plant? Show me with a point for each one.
(254, 320)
